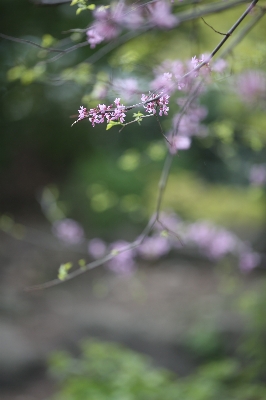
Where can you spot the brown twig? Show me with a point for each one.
(220, 33)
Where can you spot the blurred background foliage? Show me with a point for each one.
(107, 179)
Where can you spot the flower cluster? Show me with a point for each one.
(109, 21)
(102, 112)
(208, 239)
(109, 113)
(160, 103)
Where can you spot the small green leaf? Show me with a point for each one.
(165, 233)
(115, 252)
(63, 271)
(82, 263)
(91, 7)
(111, 124)
(138, 115)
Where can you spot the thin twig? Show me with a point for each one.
(242, 34)
(96, 263)
(161, 128)
(14, 39)
(220, 33)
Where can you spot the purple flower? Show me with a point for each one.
(154, 247)
(163, 82)
(126, 87)
(82, 113)
(97, 248)
(68, 230)
(251, 85)
(222, 243)
(213, 241)
(104, 27)
(189, 124)
(257, 175)
(94, 37)
(219, 65)
(179, 143)
(168, 221)
(151, 106)
(122, 263)
(249, 260)
(160, 15)
(129, 17)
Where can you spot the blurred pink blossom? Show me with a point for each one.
(179, 143)
(122, 263)
(219, 65)
(97, 248)
(68, 230)
(213, 241)
(161, 16)
(248, 261)
(130, 17)
(189, 124)
(126, 88)
(103, 28)
(163, 82)
(251, 85)
(257, 174)
(154, 247)
(168, 221)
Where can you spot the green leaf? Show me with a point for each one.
(82, 263)
(165, 233)
(111, 124)
(63, 271)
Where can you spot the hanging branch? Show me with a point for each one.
(161, 185)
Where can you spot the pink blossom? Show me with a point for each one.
(94, 37)
(219, 65)
(129, 17)
(104, 27)
(251, 85)
(97, 248)
(163, 82)
(161, 16)
(151, 106)
(68, 230)
(126, 87)
(179, 143)
(222, 243)
(82, 113)
(154, 247)
(168, 221)
(122, 263)
(213, 241)
(189, 123)
(257, 175)
(248, 261)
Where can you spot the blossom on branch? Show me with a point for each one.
(109, 113)
(151, 106)
(160, 15)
